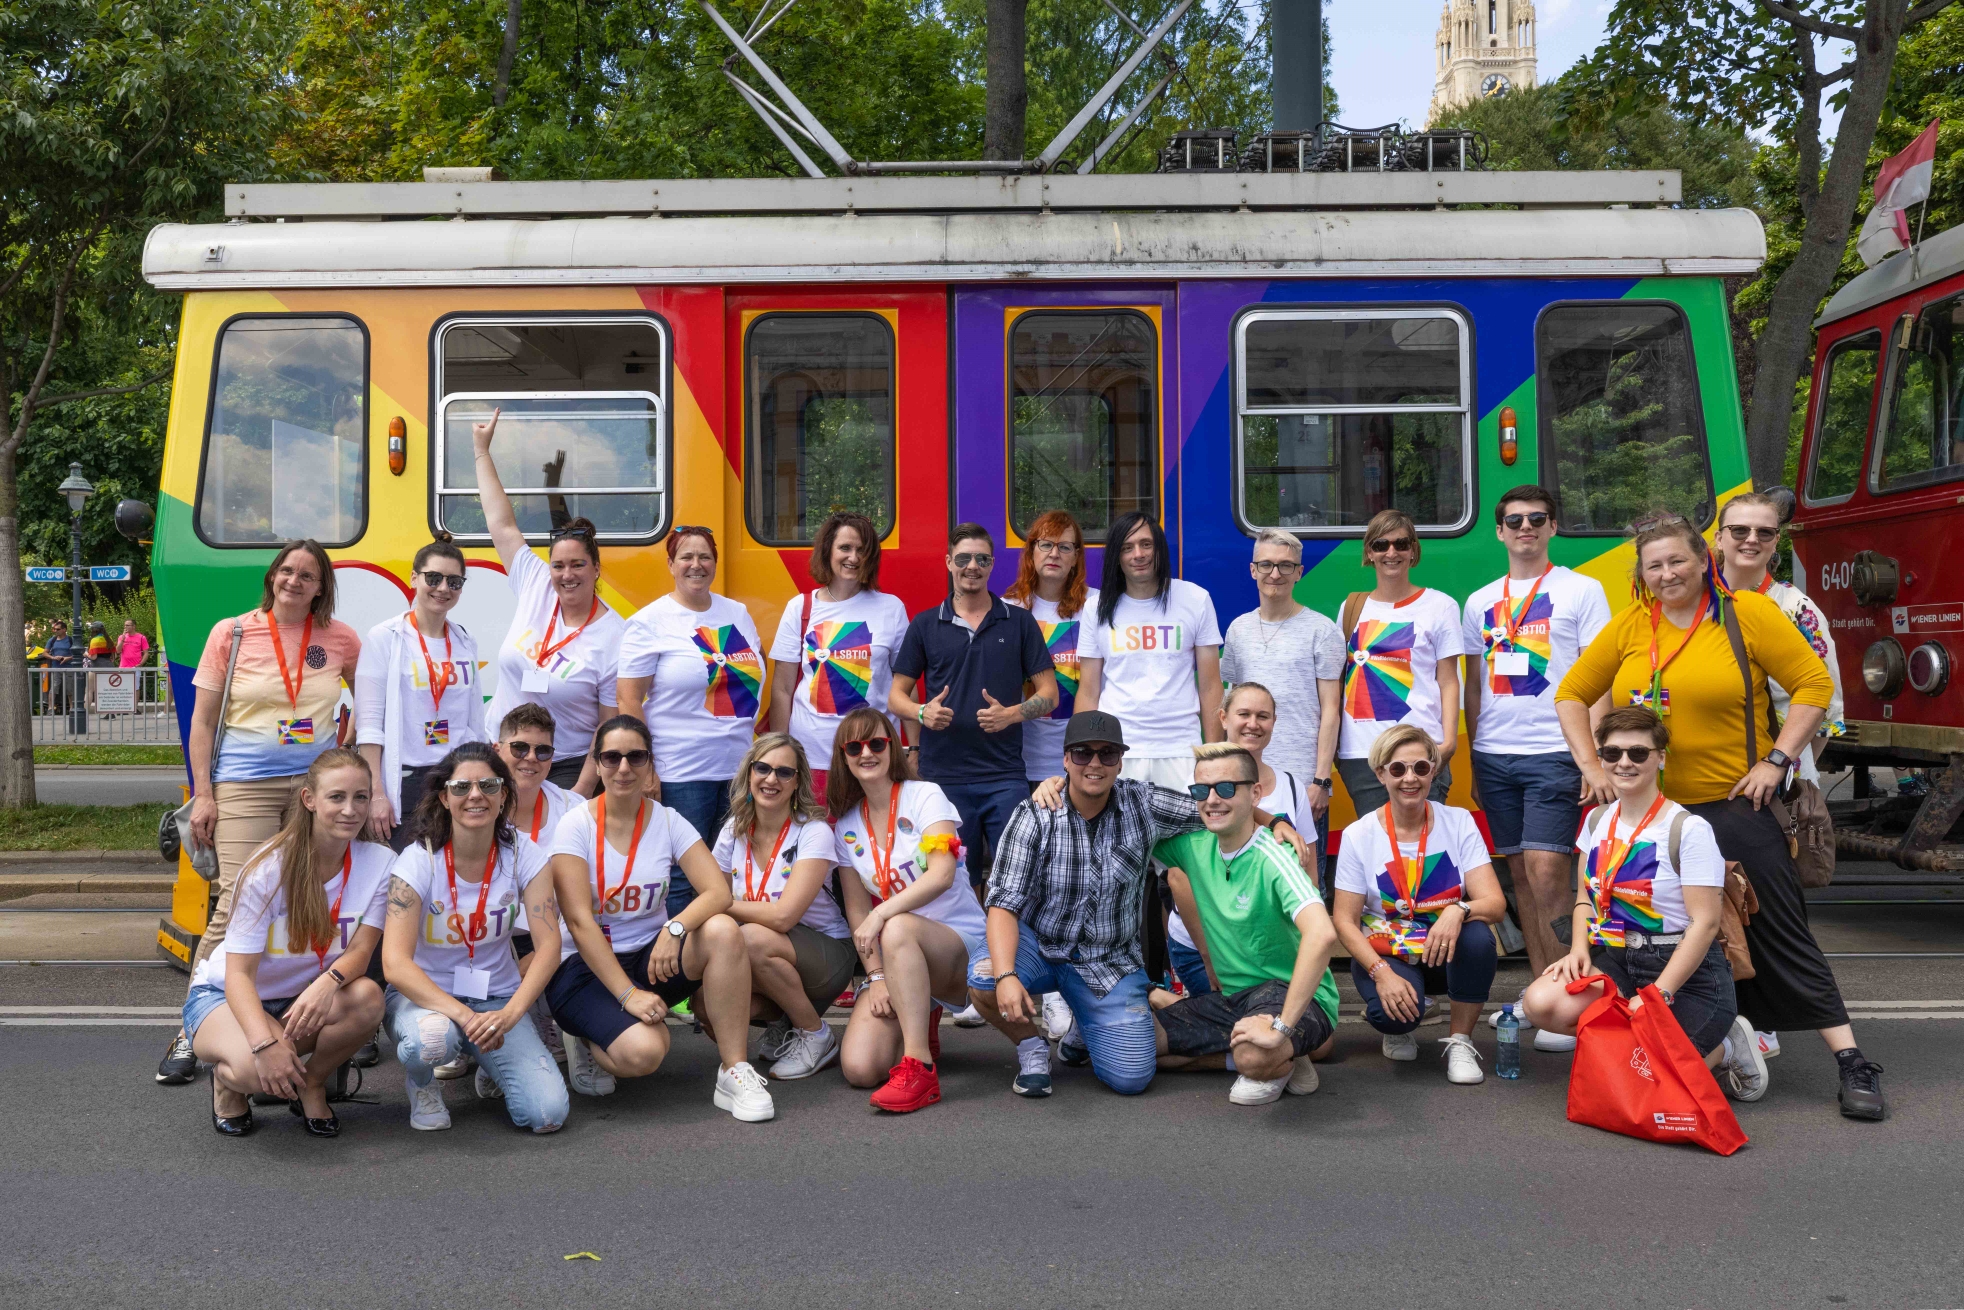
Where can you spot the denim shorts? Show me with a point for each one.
(1704, 1006)
(1532, 802)
(204, 998)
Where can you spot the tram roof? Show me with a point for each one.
(1934, 259)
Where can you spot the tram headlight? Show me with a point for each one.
(1884, 668)
(1929, 668)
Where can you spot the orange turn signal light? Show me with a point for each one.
(398, 445)
(1510, 435)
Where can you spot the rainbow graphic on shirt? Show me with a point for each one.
(1378, 679)
(1630, 906)
(734, 671)
(296, 732)
(1409, 901)
(1530, 637)
(838, 666)
(1060, 638)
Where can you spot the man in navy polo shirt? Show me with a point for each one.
(960, 675)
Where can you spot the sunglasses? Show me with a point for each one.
(691, 530)
(1044, 546)
(1615, 754)
(1419, 768)
(980, 559)
(579, 534)
(434, 580)
(635, 759)
(1741, 532)
(877, 745)
(1224, 790)
(782, 772)
(1383, 544)
(1268, 568)
(1105, 755)
(1538, 519)
(525, 750)
(488, 787)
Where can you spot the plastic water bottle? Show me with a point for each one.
(1508, 1063)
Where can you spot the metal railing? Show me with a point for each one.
(101, 706)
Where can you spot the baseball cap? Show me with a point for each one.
(1094, 725)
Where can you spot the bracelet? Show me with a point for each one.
(622, 998)
(335, 974)
(878, 975)
(1382, 963)
(266, 1045)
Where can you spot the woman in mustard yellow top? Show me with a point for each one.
(1671, 651)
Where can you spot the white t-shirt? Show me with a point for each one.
(544, 813)
(1289, 799)
(1043, 739)
(1393, 676)
(636, 905)
(1148, 677)
(575, 681)
(921, 804)
(442, 949)
(1555, 620)
(258, 924)
(430, 732)
(709, 681)
(1397, 914)
(749, 880)
(845, 659)
(1647, 890)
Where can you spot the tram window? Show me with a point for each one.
(1083, 419)
(284, 442)
(1923, 437)
(820, 430)
(1841, 423)
(1344, 413)
(1621, 423)
(581, 429)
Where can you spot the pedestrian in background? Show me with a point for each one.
(132, 648)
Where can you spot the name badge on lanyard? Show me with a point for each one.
(471, 984)
(534, 681)
(1511, 663)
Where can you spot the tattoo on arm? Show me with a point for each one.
(1037, 706)
(403, 899)
(546, 910)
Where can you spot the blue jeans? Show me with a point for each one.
(705, 805)
(985, 809)
(1189, 967)
(1468, 978)
(535, 1095)
(1117, 1027)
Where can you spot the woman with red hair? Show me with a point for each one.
(1050, 584)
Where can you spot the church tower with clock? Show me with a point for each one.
(1484, 48)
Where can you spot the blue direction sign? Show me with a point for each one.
(109, 573)
(47, 575)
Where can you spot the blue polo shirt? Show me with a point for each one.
(1004, 651)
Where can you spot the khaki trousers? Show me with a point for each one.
(249, 813)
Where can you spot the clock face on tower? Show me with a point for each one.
(1494, 84)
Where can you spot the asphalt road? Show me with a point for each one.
(109, 786)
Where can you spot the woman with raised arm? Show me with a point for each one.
(454, 988)
(284, 1002)
(564, 640)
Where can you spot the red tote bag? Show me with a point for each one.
(1636, 1073)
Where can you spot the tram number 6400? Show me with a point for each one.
(1839, 576)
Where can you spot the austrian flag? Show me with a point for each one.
(1901, 182)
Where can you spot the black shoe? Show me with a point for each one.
(1861, 1091)
(367, 1057)
(1073, 1055)
(229, 1125)
(179, 1065)
(328, 1127)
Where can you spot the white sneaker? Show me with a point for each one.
(1303, 1079)
(968, 1017)
(1401, 1046)
(1462, 1060)
(1057, 1016)
(583, 1071)
(427, 1112)
(1769, 1043)
(740, 1090)
(1547, 1041)
(1255, 1091)
(455, 1069)
(1744, 1066)
(486, 1086)
(808, 1053)
(776, 1042)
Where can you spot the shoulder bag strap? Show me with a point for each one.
(225, 698)
(1738, 640)
(1677, 834)
(804, 626)
(1353, 605)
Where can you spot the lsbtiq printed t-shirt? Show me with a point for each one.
(536, 822)
(282, 710)
(434, 722)
(571, 678)
(920, 804)
(755, 879)
(1402, 897)
(259, 922)
(1393, 674)
(1646, 892)
(1148, 679)
(449, 944)
(708, 669)
(1551, 620)
(635, 905)
(1043, 739)
(845, 660)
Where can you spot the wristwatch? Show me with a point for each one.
(1778, 758)
(677, 929)
(1324, 783)
(1275, 1022)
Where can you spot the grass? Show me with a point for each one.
(163, 755)
(80, 828)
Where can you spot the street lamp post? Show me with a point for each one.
(77, 489)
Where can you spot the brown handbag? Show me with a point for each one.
(1735, 913)
(1814, 864)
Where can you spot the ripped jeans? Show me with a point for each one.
(535, 1094)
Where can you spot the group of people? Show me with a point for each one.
(1007, 808)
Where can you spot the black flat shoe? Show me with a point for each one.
(234, 1125)
(328, 1127)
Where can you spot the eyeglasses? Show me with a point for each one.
(578, 534)
(1419, 768)
(782, 772)
(1383, 544)
(525, 750)
(1045, 546)
(1105, 755)
(1740, 532)
(980, 560)
(1224, 790)
(1615, 754)
(488, 787)
(1538, 519)
(636, 759)
(433, 580)
(1268, 568)
(877, 745)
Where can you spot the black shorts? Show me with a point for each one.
(582, 1005)
(1201, 1025)
(1704, 1006)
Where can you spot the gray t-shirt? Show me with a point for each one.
(1287, 658)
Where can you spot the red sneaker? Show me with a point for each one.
(934, 1034)
(911, 1086)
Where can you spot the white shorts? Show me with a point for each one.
(1173, 772)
